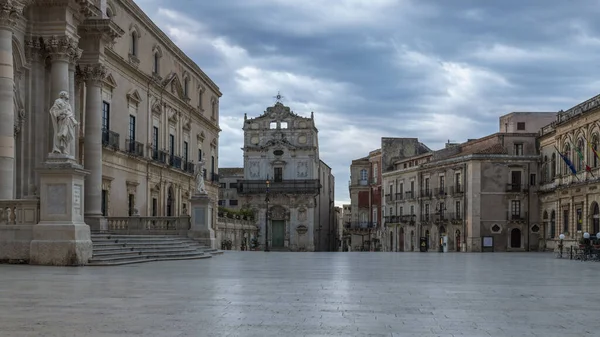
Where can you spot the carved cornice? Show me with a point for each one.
(11, 11)
(93, 73)
(105, 29)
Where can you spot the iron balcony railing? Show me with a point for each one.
(188, 167)
(410, 195)
(360, 225)
(391, 219)
(426, 193)
(110, 139)
(175, 161)
(389, 197)
(159, 156)
(399, 196)
(440, 192)
(310, 186)
(457, 189)
(134, 148)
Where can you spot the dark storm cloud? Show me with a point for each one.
(443, 70)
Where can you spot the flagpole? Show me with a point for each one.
(586, 165)
(571, 167)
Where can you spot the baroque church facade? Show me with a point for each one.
(287, 185)
(146, 112)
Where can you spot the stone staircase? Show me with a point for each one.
(116, 249)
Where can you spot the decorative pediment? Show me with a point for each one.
(133, 96)
(200, 136)
(109, 82)
(175, 85)
(186, 123)
(214, 142)
(279, 143)
(278, 162)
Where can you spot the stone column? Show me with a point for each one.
(93, 76)
(9, 13)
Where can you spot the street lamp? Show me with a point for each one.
(267, 217)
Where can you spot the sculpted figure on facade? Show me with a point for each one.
(64, 123)
(200, 178)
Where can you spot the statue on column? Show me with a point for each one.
(64, 123)
(200, 178)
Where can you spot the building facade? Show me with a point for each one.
(228, 181)
(475, 196)
(570, 171)
(145, 111)
(285, 182)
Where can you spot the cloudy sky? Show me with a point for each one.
(437, 70)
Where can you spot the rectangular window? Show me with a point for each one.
(412, 189)
(171, 144)
(222, 203)
(442, 183)
(155, 138)
(518, 149)
(131, 128)
(185, 152)
(374, 215)
(154, 207)
(515, 179)
(579, 219)
(199, 155)
(457, 210)
(400, 211)
(104, 205)
(520, 126)
(532, 179)
(233, 202)
(426, 212)
(515, 209)
(412, 210)
(278, 174)
(565, 221)
(233, 185)
(457, 182)
(105, 116)
(426, 185)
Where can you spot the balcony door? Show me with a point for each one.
(515, 179)
(277, 233)
(278, 174)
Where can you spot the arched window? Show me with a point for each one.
(156, 65)
(579, 158)
(134, 43)
(553, 166)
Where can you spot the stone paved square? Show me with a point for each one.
(307, 294)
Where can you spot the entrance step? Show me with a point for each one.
(118, 249)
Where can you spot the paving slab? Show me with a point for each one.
(307, 294)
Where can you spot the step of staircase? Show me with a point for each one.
(118, 249)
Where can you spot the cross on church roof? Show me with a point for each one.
(278, 97)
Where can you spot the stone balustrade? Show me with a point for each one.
(149, 225)
(235, 232)
(19, 212)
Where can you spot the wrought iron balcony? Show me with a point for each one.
(426, 193)
(214, 177)
(188, 167)
(159, 156)
(440, 192)
(311, 186)
(518, 217)
(410, 195)
(389, 197)
(457, 189)
(175, 161)
(134, 148)
(110, 139)
(391, 219)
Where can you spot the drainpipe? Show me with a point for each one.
(528, 206)
(464, 210)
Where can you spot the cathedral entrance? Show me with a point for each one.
(277, 233)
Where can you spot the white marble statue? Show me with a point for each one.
(64, 123)
(200, 178)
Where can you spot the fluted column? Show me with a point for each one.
(93, 76)
(10, 12)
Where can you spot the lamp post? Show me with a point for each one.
(267, 218)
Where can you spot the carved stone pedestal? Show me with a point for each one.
(201, 227)
(61, 238)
